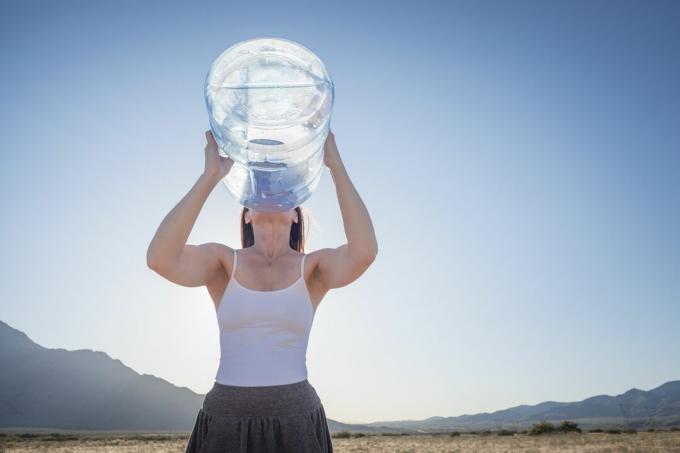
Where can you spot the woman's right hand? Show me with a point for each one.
(216, 166)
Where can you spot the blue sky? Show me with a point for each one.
(520, 162)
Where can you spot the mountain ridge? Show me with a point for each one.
(89, 389)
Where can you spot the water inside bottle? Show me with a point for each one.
(259, 108)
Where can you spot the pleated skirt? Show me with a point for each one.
(287, 418)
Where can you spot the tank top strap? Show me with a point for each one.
(302, 266)
(233, 267)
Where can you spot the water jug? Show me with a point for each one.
(269, 103)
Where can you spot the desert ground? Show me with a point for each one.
(642, 441)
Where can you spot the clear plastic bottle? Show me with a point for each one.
(269, 102)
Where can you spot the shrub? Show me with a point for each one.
(454, 434)
(342, 435)
(358, 435)
(568, 426)
(28, 435)
(613, 431)
(60, 437)
(596, 430)
(630, 431)
(543, 427)
(506, 432)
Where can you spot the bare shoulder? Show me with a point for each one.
(312, 261)
(312, 258)
(225, 255)
(336, 267)
(217, 285)
(317, 290)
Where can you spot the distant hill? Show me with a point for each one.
(88, 390)
(659, 407)
(84, 389)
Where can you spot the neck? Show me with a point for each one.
(272, 241)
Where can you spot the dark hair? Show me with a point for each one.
(297, 238)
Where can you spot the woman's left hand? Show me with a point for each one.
(331, 156)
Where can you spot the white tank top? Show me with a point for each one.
(264, 334)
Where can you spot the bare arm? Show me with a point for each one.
(342, 265)
(168, 253)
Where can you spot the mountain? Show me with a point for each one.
(88, 390)
(659, 407)
(84, 389)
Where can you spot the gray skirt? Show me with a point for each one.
(265, 419)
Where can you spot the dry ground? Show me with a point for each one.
(659, 441)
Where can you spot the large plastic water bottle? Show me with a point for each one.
(269, 101)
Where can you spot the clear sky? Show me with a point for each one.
(520, 162)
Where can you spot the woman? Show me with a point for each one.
(265, 296)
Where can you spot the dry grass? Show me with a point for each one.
(659, 441)
(586, 442)
(95, 442)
